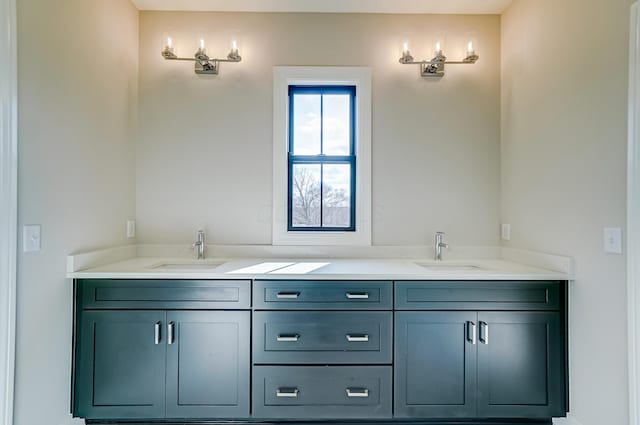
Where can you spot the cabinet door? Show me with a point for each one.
(208, 364)
(520, 365)
(435, 364)
(121, 365)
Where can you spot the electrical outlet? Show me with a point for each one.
(31, 238)
(131, 229)
(613, 240)
(505, 232)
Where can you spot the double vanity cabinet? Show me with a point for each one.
(181, 351)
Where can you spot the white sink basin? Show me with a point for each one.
(450, 267)
(202, 265)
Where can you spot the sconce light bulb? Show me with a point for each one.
(233, 54)
(470, 50)
(168, 52)
(438, 49)
(406, 55)
(201, 44)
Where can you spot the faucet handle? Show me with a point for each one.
(199, 239)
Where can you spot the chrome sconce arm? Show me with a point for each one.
(436, 66)
(203, 63)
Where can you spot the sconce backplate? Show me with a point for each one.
(432, 70)
(207, 68)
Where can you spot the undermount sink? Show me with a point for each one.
(449, 267)
(187, 265)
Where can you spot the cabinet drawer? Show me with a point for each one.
(322, 295)
(318, 392)
(322, 337)
(485, 295)
(165, 294)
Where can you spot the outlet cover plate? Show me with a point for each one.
(505, 232)
(131, 229)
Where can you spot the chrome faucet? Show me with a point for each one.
(199, 245)
(439, 245)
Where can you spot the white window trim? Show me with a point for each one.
(633, 219)
(8, 204)
(283, 77)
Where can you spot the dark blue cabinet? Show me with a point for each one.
(479, 365)
(520, 365)
(171, 351)
(322, 295)
(470, 295)
(322, 337)
(320, 392)
(435, 365)
(120, 365)
(157, 364)
(161, 363)
(208, 364)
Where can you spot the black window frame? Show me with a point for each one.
(321, 158)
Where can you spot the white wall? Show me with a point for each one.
(205, 147)
(77, 97)
(564, 176)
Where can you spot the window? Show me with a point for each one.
(321, 157)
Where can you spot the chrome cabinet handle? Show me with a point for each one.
(357, 338)
(484, 333)
(471, 332)
(357, 392)
(156, 333)
(170, 334)
(287, 392)
(288, 338)
(358, 295)
(288, 295)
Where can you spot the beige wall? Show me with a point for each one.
(563, 173)
(204, 155)
(77, 95)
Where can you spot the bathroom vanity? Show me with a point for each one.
(265, 348)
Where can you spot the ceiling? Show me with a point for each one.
(331, 6)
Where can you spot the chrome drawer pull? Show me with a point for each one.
(357, 392)
(156, 333)
(170, 334)
(288, 338)
(471, 332)
(358, 338)
(484, 333)
(287, 392)
(358, 295)
(288, 295)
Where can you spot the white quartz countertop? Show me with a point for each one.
(318, 268)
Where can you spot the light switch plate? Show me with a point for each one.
(613, 240)
(131, 229)
(31, 238)
(505, 232)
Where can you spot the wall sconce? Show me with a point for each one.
(204, 64)
(435, 66)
